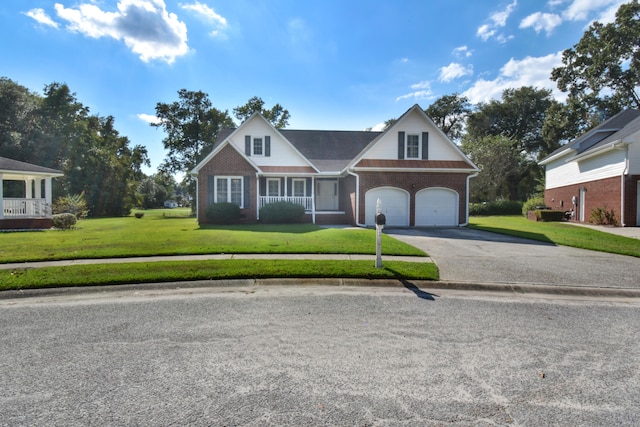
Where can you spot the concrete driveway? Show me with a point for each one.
(468, 255)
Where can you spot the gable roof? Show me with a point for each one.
(15, 166)
(611, 131)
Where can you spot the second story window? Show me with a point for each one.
(258, 148)
(413, 146)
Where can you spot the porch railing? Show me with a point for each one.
(307, 202)
(25, 208)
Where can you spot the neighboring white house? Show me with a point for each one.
(599, 169)
(34, 209)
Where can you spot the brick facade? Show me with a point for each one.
(227, 162)
(412, 182)
(605, 193)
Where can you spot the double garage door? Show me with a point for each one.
(435, 207)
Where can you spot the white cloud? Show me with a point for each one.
(462, 52)
(145, 26)
(530, 71)
(210, 15)
(41, 17)
(539, 21)
(580, 10)
(454, 71)
(497, 20)
(149, 118)
(379, 127)
(421, 90)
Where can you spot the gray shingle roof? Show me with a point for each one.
(10, 165)
(613, 129)
(328, 150)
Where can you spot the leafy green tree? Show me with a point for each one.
(151, 194)
(602, 71)
(191, 125)
(18, 119)
(506, 171)
(276, 115)
(449, 113)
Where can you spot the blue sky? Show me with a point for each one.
(334, 64)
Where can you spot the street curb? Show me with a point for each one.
(511, 288)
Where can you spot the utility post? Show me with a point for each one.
(380, 222)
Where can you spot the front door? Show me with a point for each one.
(327, 195)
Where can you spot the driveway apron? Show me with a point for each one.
(468, 255)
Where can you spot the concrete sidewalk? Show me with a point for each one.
(340, 257)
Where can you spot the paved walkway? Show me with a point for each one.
(342, 257)
(633, 232)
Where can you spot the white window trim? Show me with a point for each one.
(304, 186)
(279, 186)
(253, 146)
(228, 179)
(406, 146)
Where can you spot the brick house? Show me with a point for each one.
(420, 176)
(599, 169)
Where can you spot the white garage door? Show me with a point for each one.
(436, 207)
(395, 206)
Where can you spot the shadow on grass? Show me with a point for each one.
(515, 233)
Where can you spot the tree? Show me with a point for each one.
(449, 113)
(602, 71)
(18, 119)
(518, 116)
(506, 171)
(277, 115)
(192, 126)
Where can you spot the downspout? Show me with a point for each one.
(197, 200)
(467, 196)
(622, 188)
(313, 199)
(257, 197)
(357, 198)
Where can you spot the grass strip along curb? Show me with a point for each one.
(558, 233)
(169, 271)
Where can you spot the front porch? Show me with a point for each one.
(28, 187)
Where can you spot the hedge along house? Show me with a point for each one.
(31, 206)
(420, 175)
(599, 169)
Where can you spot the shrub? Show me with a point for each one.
(499, 207)
(602, 216)
(223, 213)
(532, 205)
(549, 215)
(64, 221)
(73, 204)
(139, 214)
(281, 213)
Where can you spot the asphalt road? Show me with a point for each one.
(468, 255)
(309, 355)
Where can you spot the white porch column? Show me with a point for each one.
(1, 199)
(38, 185)
(313, 199)
(28, 189)
(47, 191)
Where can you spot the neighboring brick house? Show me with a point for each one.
(420, 176)
(600, 169)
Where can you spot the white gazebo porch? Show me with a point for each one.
(34, 209)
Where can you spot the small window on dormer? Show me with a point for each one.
(413, 146)
(258, 148)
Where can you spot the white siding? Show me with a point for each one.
(560, 172)
(282, 153)
(634, 158)
(440, 148)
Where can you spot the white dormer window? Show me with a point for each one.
(413, 147)
(258, 147)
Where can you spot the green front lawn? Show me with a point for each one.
(558, 233)
(171, 232)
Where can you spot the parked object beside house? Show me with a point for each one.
(170, 204)
(33, 209)
(420, 175)
(599, 170)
